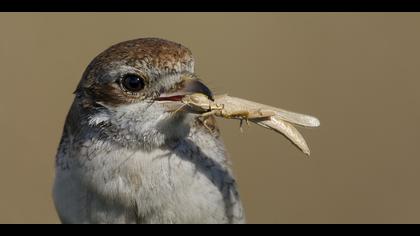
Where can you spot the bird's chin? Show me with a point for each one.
(178, 116)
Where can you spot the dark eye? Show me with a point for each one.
(132, 83)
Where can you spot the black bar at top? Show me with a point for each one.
(208, 6)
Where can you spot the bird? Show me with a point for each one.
(129, 155)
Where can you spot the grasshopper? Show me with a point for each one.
(269, 117)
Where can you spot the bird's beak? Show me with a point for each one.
(186, 87)
(172, 100)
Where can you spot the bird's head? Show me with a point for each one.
(132, 89)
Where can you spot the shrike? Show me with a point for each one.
(126, 157)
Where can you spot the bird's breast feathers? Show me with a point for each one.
(186, 181)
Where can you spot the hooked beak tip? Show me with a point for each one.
(196, 86)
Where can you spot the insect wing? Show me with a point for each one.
(261, 110)
(286, 129)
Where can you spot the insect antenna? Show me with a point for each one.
(177, 110)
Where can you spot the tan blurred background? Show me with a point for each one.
(359, 73)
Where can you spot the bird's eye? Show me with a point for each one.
(132, 83)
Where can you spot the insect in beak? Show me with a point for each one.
(269, 117)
